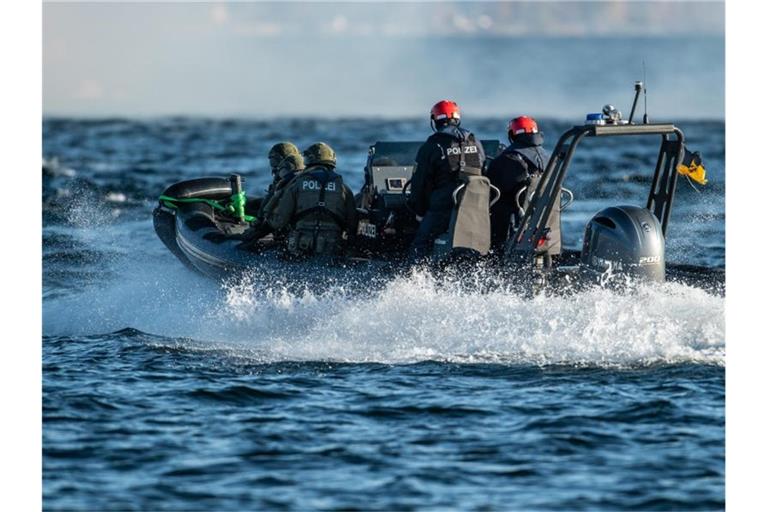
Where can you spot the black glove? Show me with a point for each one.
(256, 232)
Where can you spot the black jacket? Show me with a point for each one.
(438, 163)
(510, 172)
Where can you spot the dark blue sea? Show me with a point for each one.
(163, 390)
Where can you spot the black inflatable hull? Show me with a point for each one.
(186, 239)
(208, 244)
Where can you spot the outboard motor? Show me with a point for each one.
(624, 240)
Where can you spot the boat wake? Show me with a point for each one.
(410, 319)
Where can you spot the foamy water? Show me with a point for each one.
(411, 319)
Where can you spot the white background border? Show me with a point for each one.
(746, 297)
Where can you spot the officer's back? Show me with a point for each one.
(316, 209)
(450, 151)
(516, 169)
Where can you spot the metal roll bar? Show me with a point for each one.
(533, 228)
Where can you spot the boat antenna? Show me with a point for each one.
(638, 88)
(645, 96)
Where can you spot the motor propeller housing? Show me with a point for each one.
(624, 240)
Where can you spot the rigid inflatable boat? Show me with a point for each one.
(201, 221)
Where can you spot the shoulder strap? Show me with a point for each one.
(320, 207)
(463, 168)
(321, 197)
(442, 151)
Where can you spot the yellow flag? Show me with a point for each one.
(692, 167)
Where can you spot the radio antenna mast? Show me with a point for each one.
(645, 96)
(638, 88)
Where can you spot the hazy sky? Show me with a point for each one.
(346, 59)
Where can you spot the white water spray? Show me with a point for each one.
(411, 319)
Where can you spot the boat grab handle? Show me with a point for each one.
(456, 192)
(520, 211)
(498, 195)
(493, 201)
(569, 201)
(563, 207)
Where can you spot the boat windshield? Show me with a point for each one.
(391, 154)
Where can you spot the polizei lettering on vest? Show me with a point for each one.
(456, 150)
(315, 185)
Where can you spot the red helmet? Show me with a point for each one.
(445, 109)
(522, 124)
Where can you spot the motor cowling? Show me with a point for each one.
(624, 240)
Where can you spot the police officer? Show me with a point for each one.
(316, 208)
(277, 154)
(519, 166)
(286, 170)
(438, 164)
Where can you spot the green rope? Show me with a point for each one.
(237, 210)
(210, 202)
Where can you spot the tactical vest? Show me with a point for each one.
(535, 159)
(461, 156)
(534, 156)
(318, 221)
(274, 188)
